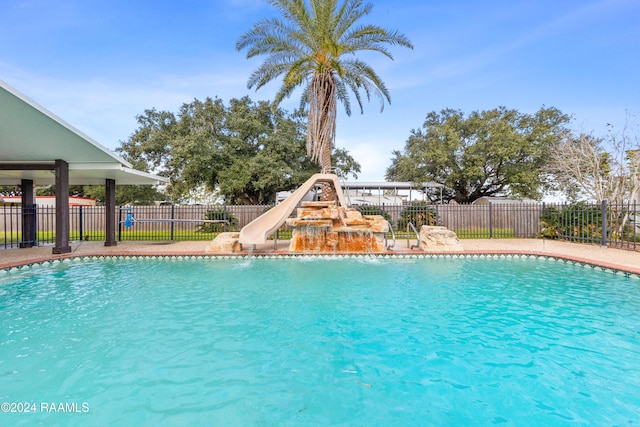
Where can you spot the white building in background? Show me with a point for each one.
(368, 197)
(389, 192)
(377, 193)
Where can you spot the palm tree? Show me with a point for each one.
(313, 47)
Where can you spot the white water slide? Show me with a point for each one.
(257, 231)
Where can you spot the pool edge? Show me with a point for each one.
(584, 262)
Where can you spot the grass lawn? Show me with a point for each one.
(50, 237)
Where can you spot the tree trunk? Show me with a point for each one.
(322, 125)
(328, 192)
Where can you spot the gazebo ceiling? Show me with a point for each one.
(30, 134)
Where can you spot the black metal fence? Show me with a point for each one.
(160, 223)
(607, 224)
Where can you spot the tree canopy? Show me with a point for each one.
(245, 151)
(313, 48)
(487, 153)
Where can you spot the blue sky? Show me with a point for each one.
(97, 64)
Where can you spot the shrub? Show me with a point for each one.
(418, 213)
(577, 221)
(550, 224)
(218, 214)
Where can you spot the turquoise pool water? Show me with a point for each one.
(308, 341)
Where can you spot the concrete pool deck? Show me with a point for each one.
(619, 259)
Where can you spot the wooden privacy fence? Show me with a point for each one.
(492, 220)
(468, 221)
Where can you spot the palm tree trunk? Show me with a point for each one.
(328, 192)
(322, 125)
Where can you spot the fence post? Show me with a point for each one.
(635, 224)
(604, 223)
(4, 220)
(541, 219)
(173, 213)
(224, 216)
(490, 221)
(119, 223)
(80, 221)
(35, 222)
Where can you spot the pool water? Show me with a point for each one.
(320, 341)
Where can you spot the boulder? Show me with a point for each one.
(377, 223)
(439, 239)
(225, 243)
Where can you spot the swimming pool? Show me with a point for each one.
(320, 341)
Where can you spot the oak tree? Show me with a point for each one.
(499, 152)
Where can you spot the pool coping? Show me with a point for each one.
(127, 254)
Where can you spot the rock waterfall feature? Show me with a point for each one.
(325, 227)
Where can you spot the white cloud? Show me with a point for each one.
(373, 156)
